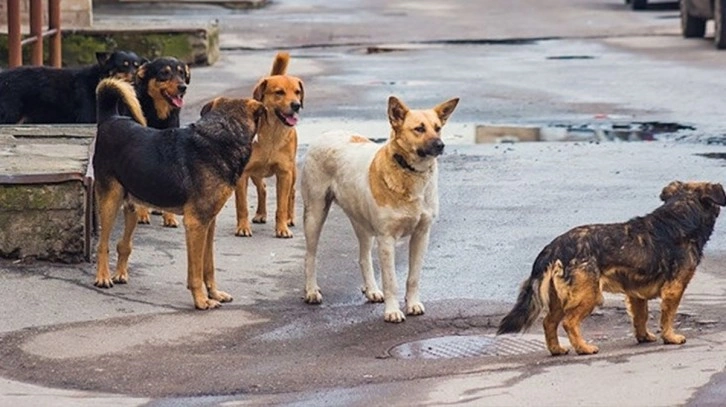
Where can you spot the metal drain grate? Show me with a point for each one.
(447, 347)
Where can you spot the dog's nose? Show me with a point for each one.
(295, 106)
(437, 146)
(182, 88)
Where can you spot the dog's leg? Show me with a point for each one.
(291, 205)
(365, 245)
(284, 185)
(209, 281)
(671, 295)
(314, 215)
(638, 311)
(386, 257)
(124, 246)
(109, 201)
(243, 213)
(550, 323)
(196, 236)
(143, 215)
(261, 212)
(169, 220)
(416, 251)
(584, 295)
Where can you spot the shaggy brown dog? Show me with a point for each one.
(189, 171)
(275, 151)
(643, 258)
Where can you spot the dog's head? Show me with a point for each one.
(249, 113)
(120, 64)
(707, 193)
(417, 133)
(283, 96)
(165, 80)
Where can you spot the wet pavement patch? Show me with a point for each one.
(448, 347)
(567, 57)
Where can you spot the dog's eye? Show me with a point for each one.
(437, 128)
(420, 129)
(126, 63)
(297, 92)
(280, 92)
(164, 75)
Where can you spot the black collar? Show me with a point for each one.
(402, 162)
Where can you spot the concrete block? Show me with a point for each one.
(506, 133)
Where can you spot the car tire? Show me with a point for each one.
(639, 4)
(691, 26)
(719, 23)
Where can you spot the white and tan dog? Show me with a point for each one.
(388, 192)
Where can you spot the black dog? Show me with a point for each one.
(160, 87)
(190, 171)
(41, 94)
(646, 257)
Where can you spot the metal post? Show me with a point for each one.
(15, 53)
(36, 31)
(54, 23)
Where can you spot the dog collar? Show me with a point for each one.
(402, 162)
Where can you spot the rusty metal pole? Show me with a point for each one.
(36, 31)
(15, 50)
(54, 23)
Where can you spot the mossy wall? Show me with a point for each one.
(195, 46)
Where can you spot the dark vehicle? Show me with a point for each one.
(695, 14)
(637, 4)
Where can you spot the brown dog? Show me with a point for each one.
(646, 257)
(190, 171)
(275, 151)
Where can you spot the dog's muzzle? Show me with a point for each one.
(434, 148)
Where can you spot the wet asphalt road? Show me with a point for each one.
(564, 61)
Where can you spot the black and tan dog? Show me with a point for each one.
(160, 87)
(189, 171)
(646, 257)
(42, 94)
(275, 151)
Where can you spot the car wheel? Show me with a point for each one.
(639, 4)
(719, 29)
(691, 26)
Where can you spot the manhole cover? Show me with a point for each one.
(447, 347)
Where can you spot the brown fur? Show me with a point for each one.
(274, 153)
(647, 257)
(131, 160)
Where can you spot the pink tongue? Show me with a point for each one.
(291, 120)
(177, 101)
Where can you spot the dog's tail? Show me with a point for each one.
(533, 298)
(279, 66)
(110, 93)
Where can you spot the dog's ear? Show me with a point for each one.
(397, 112)
(209, 106)
(102, 57)
(187, 74)
(444, 110)
(302, 93)
(259, 113)
(670, 190)
(259, 92)
(141, 72)
(715, 194)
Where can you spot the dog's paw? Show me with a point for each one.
(169, 220)
(313, 296)
(394, 316)
(143, 219)
(103, 282)
(259, 218)
(648, 337)
(415, 308)
(586, 349)
(243, 231)
(558, 351)
(207, 304)
(120, 278)
(220, 296)
(373, 295)
(283, 233)
(674, 339)
(290, 223)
